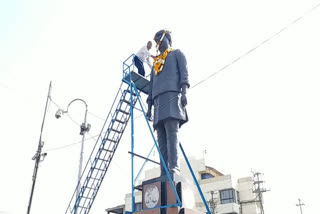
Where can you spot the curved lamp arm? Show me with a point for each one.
(84, 126)
(78, 99)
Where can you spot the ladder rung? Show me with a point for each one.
(96, 179)
(104, 159)
(107, 150)
(119, 121)
(91, 188)
(116, 131)
(128, 91)
(100, 169)
(126, 101)
(114, 141)
(124, 112)
(86, 197)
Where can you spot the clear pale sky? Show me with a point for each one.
(260, 113)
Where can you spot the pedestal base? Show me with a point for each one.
(158, 192)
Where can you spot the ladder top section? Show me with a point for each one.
(141, 83)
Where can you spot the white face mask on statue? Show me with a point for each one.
(162, 43)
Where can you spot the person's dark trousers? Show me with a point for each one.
(139, 64)
(168, 144)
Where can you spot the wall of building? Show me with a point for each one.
(246, 195)
(211, 189)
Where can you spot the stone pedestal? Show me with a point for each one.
(158, 192)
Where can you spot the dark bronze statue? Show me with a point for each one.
(168, 86)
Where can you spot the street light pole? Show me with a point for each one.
(300, 205)
(84, 127)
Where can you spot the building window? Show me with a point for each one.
(138, 207)
(206, 176)
(227, 196)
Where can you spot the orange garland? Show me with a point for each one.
(159, 61)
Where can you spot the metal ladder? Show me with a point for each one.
(108, 141)
(102, 154)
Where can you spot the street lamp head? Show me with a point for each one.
(59, 113)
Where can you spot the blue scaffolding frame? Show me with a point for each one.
(138, 84)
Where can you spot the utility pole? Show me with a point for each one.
(258, 189)
(300, 205)
(38, 155)
(212, 203)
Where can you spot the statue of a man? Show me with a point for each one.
(168, 86)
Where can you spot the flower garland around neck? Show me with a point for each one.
(159, 61)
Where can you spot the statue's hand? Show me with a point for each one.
(149, 114)
(184, 100)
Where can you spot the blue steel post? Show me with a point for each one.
(132, 90)
(160, 155)
(195, 180)
(132, 144)
(144, 163)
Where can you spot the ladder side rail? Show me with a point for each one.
(94, 170)
(102, 168)
(109, 115)
(116, 114)
(117, 136)
(95, 176)
(86, 183)
(107, 134)
(100, 148)
(113, 117)
(70, 207)
(100, 179)
(91, 188)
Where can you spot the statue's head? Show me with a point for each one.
(163, 40)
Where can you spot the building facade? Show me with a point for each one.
(222, 195)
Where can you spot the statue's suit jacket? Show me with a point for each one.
(165, 88)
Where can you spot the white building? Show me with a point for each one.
(222, 196)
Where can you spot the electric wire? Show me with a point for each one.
(96, 116)
(257, 46)
(211, 75)
(245, 54)
(71, 144)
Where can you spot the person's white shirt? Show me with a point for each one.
(144, 55)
